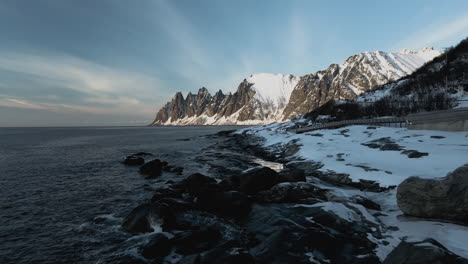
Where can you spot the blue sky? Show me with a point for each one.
(115, 62)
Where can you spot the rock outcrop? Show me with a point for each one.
(445, 198)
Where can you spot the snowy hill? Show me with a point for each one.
(267, 98)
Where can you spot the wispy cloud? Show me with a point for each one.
(437, 34)
(106, 90)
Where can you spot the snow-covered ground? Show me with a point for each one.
(341, 151)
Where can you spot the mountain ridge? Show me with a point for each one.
(266, 98)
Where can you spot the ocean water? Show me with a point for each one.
(64, 192)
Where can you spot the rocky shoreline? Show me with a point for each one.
(295, 214)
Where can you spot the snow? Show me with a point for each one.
(385, 167)
(273, 88)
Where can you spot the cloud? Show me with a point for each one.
(105, 90)
(437, 34)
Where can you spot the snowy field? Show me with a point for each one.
(342, 151)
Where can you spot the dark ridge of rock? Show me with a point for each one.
(133, 161)
(291, 175)
(445, 198)
(414, 154)
(423, 252)
(367, 203)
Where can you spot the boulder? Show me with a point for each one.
(197, 183)
(134, 161)
(444, 198)
(292, 175)
(422, 252)
(158, 247)
(153, 168)
(257, 179)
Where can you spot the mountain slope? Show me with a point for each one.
(440, 84)
(359, 73)
(266, 98)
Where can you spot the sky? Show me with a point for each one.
(115, 62)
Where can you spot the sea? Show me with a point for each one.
(64, 191)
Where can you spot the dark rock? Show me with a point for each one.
(292, 175)
(228, 204)
(371, 127)
(195, 241)
(153, 168)
(367, 203)
(143, 154)
(414, 154)
(437, 137)
(134, 161)
(299, 192)
(162, 193)
(159, 246)
(444, 198)
(140, 219)
(426, 251)
(230, 252)
(257, 179)
(198, 183)
(385, 143)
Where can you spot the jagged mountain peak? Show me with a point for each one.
(265, 98)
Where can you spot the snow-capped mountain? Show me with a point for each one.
(359, 73)
(266, 98)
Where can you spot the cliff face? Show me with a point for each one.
(267, 98)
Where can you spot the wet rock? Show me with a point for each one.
(257, 179)
(299, 192)
(153, 168)
(444, 198)
(422, 252)
(141, 218)
(158, 247)
(134, 161)
(195, 241)
(412, 154)
(228, 204)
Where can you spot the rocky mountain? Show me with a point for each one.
(359, 73)
(266, 98)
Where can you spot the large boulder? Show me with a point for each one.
(257, 179)
(422, 252)
(444, 198)
(153, 168)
